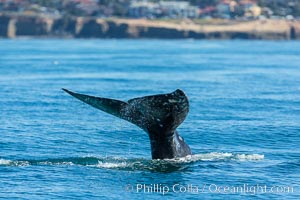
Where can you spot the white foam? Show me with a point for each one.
(13, 163)
(211, 156)
(55, 163)
(215, 156)
(5, 162)
(250, 157)
(111, 165)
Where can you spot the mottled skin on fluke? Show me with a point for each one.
(158, 115)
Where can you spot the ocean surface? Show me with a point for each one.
(243, 126)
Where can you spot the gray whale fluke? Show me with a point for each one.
(158, 115)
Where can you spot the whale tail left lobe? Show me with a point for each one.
(110, 106)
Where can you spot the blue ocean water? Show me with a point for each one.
(243, 126)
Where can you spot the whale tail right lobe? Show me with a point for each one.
(162, 113)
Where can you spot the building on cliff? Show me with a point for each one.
(229, 9)
(162, 9)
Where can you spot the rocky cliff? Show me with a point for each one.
(39, 26)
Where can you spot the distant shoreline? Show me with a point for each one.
(15, 26)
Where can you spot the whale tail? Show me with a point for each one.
(156, 114)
